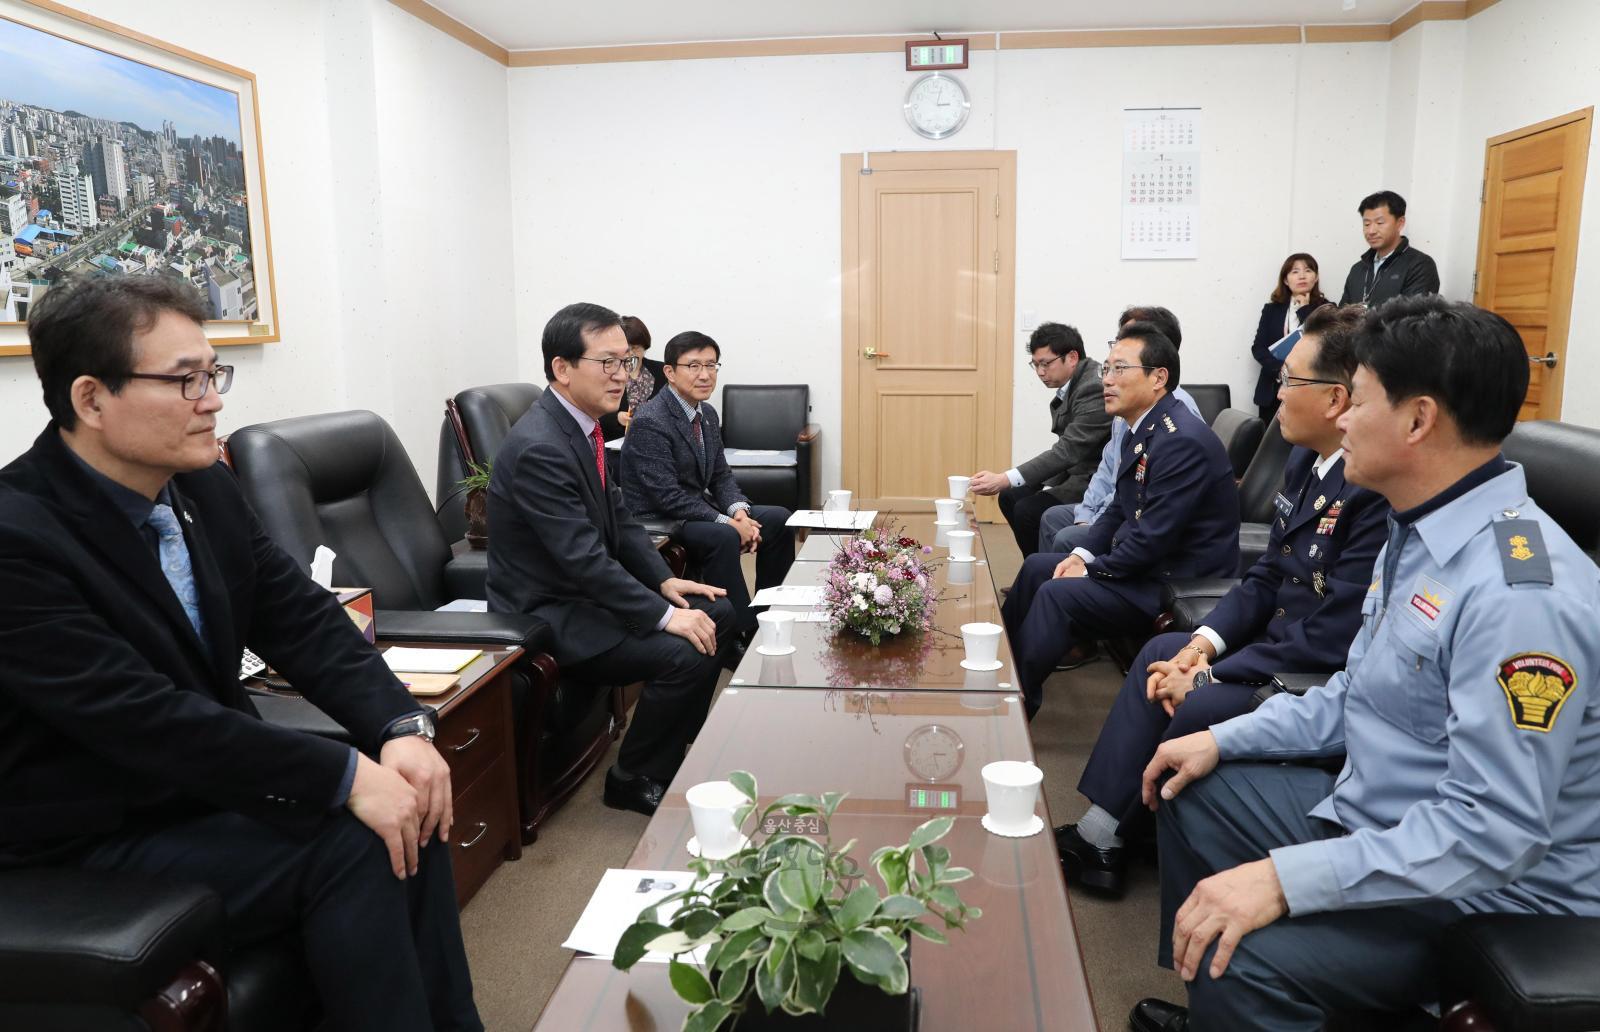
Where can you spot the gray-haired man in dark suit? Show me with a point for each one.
(566, 549)
(676, 470)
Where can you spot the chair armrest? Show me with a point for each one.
(99, 938)
(501, 630)
(666, 528)
(808, 433)
(1190, 601)
(1300, 683)
(1527, 970)
(297, 714)
(467, 575)
(807, 469)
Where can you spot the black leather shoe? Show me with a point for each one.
(638, 793)
(1153, 1015)
(1078, 656)
(1100, 870)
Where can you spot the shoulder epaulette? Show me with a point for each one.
(1523, 558)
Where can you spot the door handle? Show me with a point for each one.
(1548, 361)
(871, 352)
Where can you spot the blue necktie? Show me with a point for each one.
(175, 563)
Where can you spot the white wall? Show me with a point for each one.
(382, 137)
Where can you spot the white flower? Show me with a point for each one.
(860, 601)
(863, 581)
(922, 581)
(894, 628)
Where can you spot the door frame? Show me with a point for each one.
(1563, 274)
(850, 173)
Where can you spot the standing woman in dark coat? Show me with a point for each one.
(1296, 296)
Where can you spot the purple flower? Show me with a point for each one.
(882, 594)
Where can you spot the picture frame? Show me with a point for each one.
(152, 156)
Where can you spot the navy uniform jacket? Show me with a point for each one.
(1176, 508)
(668, 476)
(1299, 606)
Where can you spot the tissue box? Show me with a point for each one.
(357, 604)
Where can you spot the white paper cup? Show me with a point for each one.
(982, 641)
(961, 544)
(711, 807)
(777, 630)
(959, 486)
(947, 510)
(1012, 789)
(838, 501)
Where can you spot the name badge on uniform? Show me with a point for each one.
(1283, 505)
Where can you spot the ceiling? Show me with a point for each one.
(543, 24)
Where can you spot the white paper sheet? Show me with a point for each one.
(615, 905)
(859, 520)
(807, 595)
(464, 605)
(429, 661)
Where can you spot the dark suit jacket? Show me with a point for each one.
(1299, 607)
(1176, 508)
(562, 548)
(667, 476)
(1268, 332)
(1407, 271)
(1082, 426)
(114, 712)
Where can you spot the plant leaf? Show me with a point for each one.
(773, 895)
(892, 869)
(745, 782)
(634, 944)
(801, 885)
(731, 983)
(714, 952)
(945, 896)
(815, 979)
(689, 983)
(932, 831)
(767, 988)
(870, 954)
(749, 917)
(797, 803)
(785, 926)
(708, 1018)
(856, 908)
(929, 933)
(952, 875)
(810, 944)
(698, 922)
(899, 907)
(736, 946)
(830, 803)
(742, 814)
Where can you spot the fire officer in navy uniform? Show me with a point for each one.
(1297, 610)
(1466, 711)
(1175, 514)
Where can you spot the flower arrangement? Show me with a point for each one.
(879, 584)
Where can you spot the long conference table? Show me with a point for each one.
(905, 730)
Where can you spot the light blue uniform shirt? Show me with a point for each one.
(1103, 485)
(1469, 719)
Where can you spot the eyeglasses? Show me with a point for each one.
(1113, 370)
(696, 368)
(195, 384)
(611, 365)
(1285, 380)
(1042, 366)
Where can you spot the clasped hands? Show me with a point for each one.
(1171, 680)
(1228, 905)
(404, 797)
(749, 530)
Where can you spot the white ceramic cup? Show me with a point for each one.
(838, 501)
(982, 641)
(711, 807)
(1012, 789)
(960, 573)
(959, 486)
(777, 630)
(961, 544)
(947, 510)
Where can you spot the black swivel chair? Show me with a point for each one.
(773, 418)
(1211, 398)
(1241, 435)
(343, 479)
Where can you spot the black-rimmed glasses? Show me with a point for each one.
(1112, 370)
(195, 384)
(611, 365)
(1285, 380)
(1040, 367)
(696, 368)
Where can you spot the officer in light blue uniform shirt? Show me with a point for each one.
(1466, 715)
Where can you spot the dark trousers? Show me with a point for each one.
(1045, 617)
(1136, 726)
(1023, 507)
(678, 684)
(1297, 971)
(384, 954)
(714, 554)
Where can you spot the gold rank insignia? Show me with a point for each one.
(1519, 548)
(1537, 685)
(1319, 583)
(1167, 422)
(1320, 502)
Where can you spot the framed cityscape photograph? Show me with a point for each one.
(127, 156)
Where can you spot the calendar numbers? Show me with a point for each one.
(1160, 183)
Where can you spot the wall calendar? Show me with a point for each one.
(1160, 183)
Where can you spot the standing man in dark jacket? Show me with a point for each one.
(1391, 267)
(1078, 418)
(676, 470)
(1296, 611)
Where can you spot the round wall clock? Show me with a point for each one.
(933, 752)
(937, 105)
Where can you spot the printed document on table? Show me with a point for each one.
(834, 520)
(807, 595)
(615, 905)
(429, 661)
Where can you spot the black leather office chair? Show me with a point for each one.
(1562, 464)
(343, 479)
(1212, 398)
(773, 418)
(1241, 435)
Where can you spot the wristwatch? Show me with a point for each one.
(421, 725)
(1202, 677)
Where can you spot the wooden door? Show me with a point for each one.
(928, 242)
(1528, 244)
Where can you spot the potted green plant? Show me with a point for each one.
(477, 506)
(792, 928)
